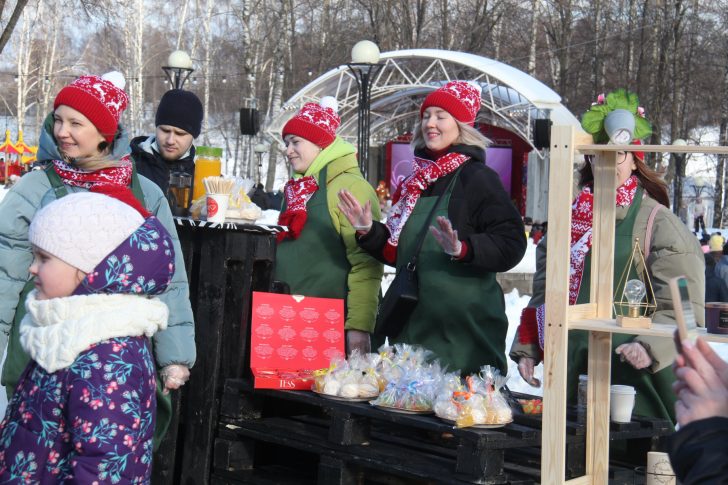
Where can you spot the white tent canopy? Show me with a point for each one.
(511, 98)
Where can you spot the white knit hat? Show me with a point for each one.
(83, 228)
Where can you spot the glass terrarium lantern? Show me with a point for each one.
(634, 300)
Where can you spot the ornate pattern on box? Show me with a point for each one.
(292, 336)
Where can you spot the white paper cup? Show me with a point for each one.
(621, 403)
(659, 470)
(217, 205)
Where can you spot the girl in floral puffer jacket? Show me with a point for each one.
(84, 409)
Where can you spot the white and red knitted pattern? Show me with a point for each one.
(582, 211)
(111, 96)
(297, 193)
(459, 98)
(315, 123)
(119, 175)
(425, 173)
(101, 99)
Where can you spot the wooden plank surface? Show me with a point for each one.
(591, 149)
(585, 311)
(657, 330)
(553, 461)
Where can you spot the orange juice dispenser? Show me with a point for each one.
(207, 164)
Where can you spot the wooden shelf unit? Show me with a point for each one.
(596, 317)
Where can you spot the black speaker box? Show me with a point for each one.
(249, 124)
(542, 133)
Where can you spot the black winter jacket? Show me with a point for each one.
(151, 164)
(698, 452)
(479, 209)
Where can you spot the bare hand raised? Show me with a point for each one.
(446, 236)
(359, 217)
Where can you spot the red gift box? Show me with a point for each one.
(291, 337)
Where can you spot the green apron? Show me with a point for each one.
(654, 391)
(16, 359)
(461, 312)
(315, 264)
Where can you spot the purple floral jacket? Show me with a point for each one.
(87, 423)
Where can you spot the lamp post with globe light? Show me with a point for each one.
(364, 66)
(178, 68)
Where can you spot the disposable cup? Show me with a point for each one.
(621, 403)
(659, 470)
(217, 205)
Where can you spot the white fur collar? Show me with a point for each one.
(55, 331)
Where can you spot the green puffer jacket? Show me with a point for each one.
(674, 251)
(365, 277)
(176, 344)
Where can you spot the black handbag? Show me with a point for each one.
(403, 293)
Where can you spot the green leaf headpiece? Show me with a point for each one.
(593, 120)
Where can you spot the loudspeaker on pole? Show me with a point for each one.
(542, 133)
(249, 124)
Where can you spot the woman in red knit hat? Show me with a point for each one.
(318, 255)
(85, 148)
(475, 232)
(641, 212)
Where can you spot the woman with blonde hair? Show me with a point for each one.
(474, 232)
(84, 148)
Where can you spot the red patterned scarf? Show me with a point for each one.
(582, 211)
(119, 175)
(297, 193)
(408, 193)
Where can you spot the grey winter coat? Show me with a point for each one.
(176, 344)
(674, 251)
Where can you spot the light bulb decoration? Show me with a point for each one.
(634, 300)
(616, 117)
(634, 292)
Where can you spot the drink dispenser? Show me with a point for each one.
(207, 164)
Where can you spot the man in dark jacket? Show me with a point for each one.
(170, 149)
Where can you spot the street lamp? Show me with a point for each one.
(679, 173)
(259, 150)
(364, 65)
(178, 68)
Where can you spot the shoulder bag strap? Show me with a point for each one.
(648, 233)
(58, 186)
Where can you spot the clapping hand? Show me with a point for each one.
(359, 217)
(446, 236)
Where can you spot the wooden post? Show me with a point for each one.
(553, 462)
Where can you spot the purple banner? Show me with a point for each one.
(499, 159)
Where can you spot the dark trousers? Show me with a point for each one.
(698, 223)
